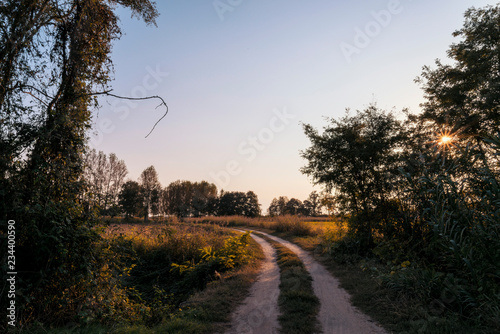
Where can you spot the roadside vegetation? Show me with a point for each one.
(296, 225)
(370, 279)
(421, 193)
(169, 277)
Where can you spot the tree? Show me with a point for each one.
(312, 205)
(238, 203)
(130, 198)
(283, 206)
(150, 187)
(55, 59)
(177, 198)
(114, 180)
(464, 97)
(94, 172)
(277, 206)
(357, 158)
(203, 196)
(105, 177)
(252, 206)
(156, 203)
(185, 198)
(273, 208)
(293, 207)
(327, 201)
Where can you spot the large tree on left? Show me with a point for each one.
(55, 59)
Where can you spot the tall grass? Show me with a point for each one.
(294, 225)
(138, 283)
(170, 243)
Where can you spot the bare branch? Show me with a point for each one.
(35, 97)
(140, 98)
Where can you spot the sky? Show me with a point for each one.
(240, 77)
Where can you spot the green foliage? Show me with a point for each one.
(233, 253)
(138, 281)
(464, 229)
(441, 236)
(357, 157)
(55, 55)
(134, 291)
(427, 209)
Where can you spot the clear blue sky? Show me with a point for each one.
(239, 77)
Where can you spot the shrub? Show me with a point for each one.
(233, 253)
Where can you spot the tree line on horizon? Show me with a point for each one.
(111, 194)
(311, 207)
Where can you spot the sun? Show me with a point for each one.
(445, 140)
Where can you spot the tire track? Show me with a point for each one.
(259, 312)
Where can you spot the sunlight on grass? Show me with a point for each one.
(142, 290)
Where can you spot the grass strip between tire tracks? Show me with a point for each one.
(298, 304)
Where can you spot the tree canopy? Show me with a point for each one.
(465, 95)
(55, 60)
(356, 157)
(283, 206)
(426, 189)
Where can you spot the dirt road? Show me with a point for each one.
(337, 315)
(259, 312)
